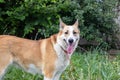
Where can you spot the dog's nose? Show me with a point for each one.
(70, 41)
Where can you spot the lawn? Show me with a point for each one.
(87, 66)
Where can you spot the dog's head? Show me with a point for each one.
(68, 36)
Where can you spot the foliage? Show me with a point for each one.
(88, 66)
(40, 18)
(28, 17)
(93, 66)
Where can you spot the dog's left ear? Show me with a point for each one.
(76, 23)
(62, 24)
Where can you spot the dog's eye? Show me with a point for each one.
(74, 32)
(66, 32)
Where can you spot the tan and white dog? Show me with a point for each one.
(49, 57)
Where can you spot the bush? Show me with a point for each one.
(40, 18)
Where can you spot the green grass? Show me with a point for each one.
(90, 66)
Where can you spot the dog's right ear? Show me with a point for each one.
(62, 24)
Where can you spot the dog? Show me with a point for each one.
(48, 57)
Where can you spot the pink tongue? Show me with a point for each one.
(70, 49)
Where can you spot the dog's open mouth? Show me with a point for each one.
(70, 48)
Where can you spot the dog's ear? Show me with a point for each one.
(76, 23)
(62, 24)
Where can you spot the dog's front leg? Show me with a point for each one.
(57, 76)
(45, 78)
(48, 73)
(54, 78)
(49, 77)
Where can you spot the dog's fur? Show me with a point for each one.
(49, 57)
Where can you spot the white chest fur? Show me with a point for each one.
(62, 61)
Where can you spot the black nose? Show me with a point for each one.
(70, 41)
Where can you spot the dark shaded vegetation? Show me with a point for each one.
(36, 19)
